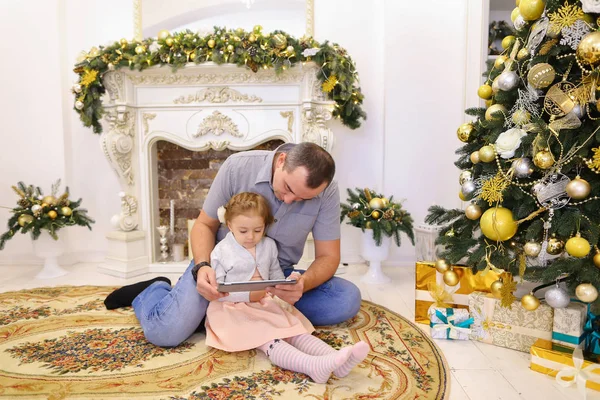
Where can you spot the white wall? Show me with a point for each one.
(32, 125)
(411, 61)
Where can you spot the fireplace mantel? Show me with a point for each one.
(199, 107)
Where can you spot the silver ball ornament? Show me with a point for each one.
(508, 80)
(465, 176)
(557, 297)
(78, 105)
(520, 23)
(495, 87)
(468, 189)
(578, 188)
(77, 88)
(355, 206)
(522, 167)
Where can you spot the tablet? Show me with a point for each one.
(249, 286)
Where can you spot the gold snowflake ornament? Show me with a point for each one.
(330, 83)
(88, 77)
(508, 288)
(492, 189)
(594, 162)
(564, 17)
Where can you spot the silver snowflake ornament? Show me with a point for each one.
(572, 34)
(590, 6)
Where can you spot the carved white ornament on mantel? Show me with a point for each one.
(239, 110)
(217, 124)
(217, 95)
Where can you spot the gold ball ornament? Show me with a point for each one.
(211, 43)
(487, 154)
(522, 54)
(464, 132)
(496, 288)
(578, 188)
(597, 259)
(543, 159)
(521, 117)
(369, 225)
(52, 214)
(451, 278)
(586, 292)
(530, 302)
(441, 265)
(123, 42)
(163, 34)
(500, 60)
(531, 9)
(578, 246)
(169, 41)
(230, 48)
(25, 219)
(252, 37)
(588, 50)
(280, 41)
(376, 214)
(495, 112)
(498, 224)
(475, 157)
(50, 200)
(461, 196)
(385, 202)
(473, 212)
(541, 75)
(465, 176)
(376, 203)
(139, 49)
(555, 246)
(45, 205)
(290, 49)
(485, 92)
(514, 14)
(532, 249)
(257, 29)
(508, 41)
(66, 211)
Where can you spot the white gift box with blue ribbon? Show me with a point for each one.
(568, 325)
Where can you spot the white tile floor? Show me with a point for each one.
(479, 371)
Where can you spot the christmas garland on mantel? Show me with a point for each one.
(254, 50)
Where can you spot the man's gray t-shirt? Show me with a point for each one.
(251, 171)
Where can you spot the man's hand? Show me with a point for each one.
(207, 284)
(289, 293)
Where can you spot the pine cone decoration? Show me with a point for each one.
(252, 51)
(24, 203)
(389, 214)
(353, 214)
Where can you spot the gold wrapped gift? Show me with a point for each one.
(430, 288)
(553, 359)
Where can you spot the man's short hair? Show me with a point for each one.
(318, 162)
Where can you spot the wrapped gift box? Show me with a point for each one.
(426, 275)
(450, 323)
(551, 358)
(569, 323)
(514, 327)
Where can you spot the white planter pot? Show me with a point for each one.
(375, 255)
(49, 249)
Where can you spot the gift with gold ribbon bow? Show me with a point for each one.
(448, 323)
(567, 365)
(428, 295)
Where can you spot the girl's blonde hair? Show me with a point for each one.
(248, 203)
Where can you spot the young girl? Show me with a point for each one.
(247, 320)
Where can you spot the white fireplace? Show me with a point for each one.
(199, 107)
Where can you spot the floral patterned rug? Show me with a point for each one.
(61, 343)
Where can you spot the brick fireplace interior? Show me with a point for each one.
(185, 177)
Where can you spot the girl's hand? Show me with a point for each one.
(257, 295)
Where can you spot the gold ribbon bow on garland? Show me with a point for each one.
(488, 254)
(578, 375)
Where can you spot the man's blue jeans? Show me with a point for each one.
(170, 315)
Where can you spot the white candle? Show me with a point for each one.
(178, 252)
(172, 218)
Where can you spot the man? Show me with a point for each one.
(297, 181)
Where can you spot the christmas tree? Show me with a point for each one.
(530, 163)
